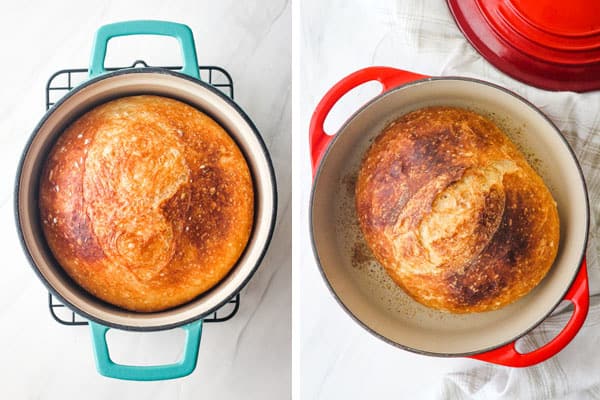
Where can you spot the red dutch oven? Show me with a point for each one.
(361, 286)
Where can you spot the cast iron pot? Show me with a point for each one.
(370, 297)
(102, 87)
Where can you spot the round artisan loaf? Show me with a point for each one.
(453, 211)
(146, 202)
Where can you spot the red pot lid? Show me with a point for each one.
(550, 44)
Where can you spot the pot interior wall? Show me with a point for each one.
(361, 284)
(126, 84)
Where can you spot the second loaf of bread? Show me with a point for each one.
(454, 212)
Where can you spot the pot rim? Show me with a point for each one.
(340, 131)
(261, 255)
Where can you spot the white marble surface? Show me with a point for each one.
(246, 357)
(339, 359)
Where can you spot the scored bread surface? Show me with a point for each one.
(146, 202)
(454, 212)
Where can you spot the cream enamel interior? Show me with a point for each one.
(165, 85)
(364, 288)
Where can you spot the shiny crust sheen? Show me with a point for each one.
(146, 202)
(453, 211)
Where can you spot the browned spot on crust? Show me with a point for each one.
(208, 220)
(177, 207)
(82, 236)
(491, 214)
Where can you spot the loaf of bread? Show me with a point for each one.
(146, 202)
(454, 212)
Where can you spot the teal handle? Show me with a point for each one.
(146, 27)
(109, 368)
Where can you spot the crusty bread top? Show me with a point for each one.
(453, 211)
(146, 202)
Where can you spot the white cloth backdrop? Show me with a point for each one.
(338, 37)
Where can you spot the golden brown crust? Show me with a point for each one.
(146, 202)
(453, 211)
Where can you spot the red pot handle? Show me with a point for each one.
(579, 295)
(388, 77)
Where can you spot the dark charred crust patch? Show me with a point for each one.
(495, 268)
(477, 283)
(491, 214)
(515, 227)
(389, 199)
(433, 149)
(177, 206)
(207, 216)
